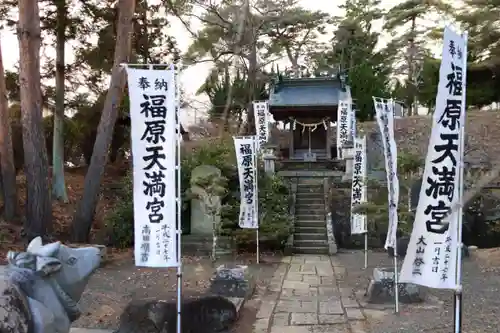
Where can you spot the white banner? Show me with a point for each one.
(246, 157)
(261, 114)
(153, 119)
(359, 186)
(432, 251)
(384, 109)
(344, 124)
(353, 122)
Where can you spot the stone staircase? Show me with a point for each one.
(310, 233)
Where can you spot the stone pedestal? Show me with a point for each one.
(232, 281)
(381, 288)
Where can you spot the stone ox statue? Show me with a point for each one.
(43, 287)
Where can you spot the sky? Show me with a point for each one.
(191, 78)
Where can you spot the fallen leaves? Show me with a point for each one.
(10, 232)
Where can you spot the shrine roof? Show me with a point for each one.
(302, 92)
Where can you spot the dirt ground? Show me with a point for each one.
(481, 304)
(62, 213)
(117, 283)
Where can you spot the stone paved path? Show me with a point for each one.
(306, 296)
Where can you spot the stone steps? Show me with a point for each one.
(310, 197)
(308, 211)
(310, 191)
(316, 224)
(306, 229)
(310, 234)
(311, 250)
(305, 216)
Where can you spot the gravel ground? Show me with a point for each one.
(114, 285)
(481, 308)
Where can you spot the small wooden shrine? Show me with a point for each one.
(307, 108)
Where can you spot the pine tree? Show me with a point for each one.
(409, 46)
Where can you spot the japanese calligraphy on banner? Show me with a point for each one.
(154, 142)
(359, 186)
(261, 113)
(344, 124)
(432, 251)
(246, 157)
(384, 109)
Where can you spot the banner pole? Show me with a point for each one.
(396, 278)
(366, 250)
(457, 302)
(179, 207)
(256, 186)
(458, 277)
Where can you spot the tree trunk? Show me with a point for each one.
(252, 80)
(38, 202)
(7, 169)
(85, 211)
(411, 67)
(58, 183)
(294, 60)
(236, 51)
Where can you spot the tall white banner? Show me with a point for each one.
(261, 114)
(432, 251)
(353, 121)
(344, 124)
(246, 157)
(359, 186)
(153, 114)
(384, 109)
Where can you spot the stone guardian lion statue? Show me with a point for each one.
(43, 285)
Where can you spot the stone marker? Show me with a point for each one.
(201, 221)
(402, 246)
(381, 288)
(375, 160)
(415, 188)
(232, 281)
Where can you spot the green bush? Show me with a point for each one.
(120, 222)
(275, 219)
(275, 224)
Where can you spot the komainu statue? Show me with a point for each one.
(43, 285)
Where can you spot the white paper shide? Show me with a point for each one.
(384, 109)
(261, 114)
(246, 157)
(432, 251)
(154, 141)
(344, 124)
(359, 186)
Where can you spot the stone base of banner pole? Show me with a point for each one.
(380, 289)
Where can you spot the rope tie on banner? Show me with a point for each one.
(311, 126)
